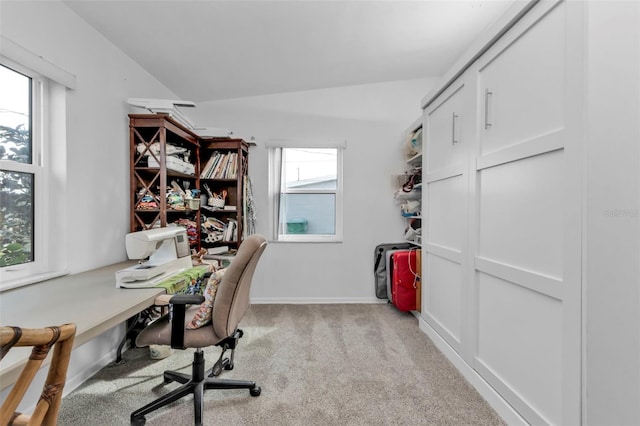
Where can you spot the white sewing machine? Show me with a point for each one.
(168, 253)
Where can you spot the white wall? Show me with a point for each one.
(612, 216)
(97, 205)
(371, 119)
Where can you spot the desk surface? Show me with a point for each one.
(89, 299)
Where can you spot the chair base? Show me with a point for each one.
(195, 384)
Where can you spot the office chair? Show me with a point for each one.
(230, 304)
(42, 339)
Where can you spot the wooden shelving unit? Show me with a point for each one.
(229, 180)
(166, 163)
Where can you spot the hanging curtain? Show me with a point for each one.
(249, 214)
(275, 188)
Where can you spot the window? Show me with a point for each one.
(25, 237)
(33, 166)
(306, 193)
(20, 171)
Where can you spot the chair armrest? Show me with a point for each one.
(179, 303)
(186, 299)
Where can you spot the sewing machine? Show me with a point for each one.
(167, 250)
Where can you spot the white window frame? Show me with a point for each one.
(276, 189)
(48, 166)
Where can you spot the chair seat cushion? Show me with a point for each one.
(203, 314)
(159, 333)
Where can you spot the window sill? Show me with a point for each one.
(20, 282)
(307, 240)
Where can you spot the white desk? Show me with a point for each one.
(89, 299)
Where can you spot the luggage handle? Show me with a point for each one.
(375, 267)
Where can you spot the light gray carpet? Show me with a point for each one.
(316, 364)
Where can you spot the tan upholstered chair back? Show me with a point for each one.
(232, 297)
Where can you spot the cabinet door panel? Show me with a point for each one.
(520, 347)
(522, 85)
(446, 212)
(441, 291)
(444, 119)
(521, 213)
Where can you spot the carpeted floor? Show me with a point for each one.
(316, 364)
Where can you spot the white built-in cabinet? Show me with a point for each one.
(445, 186)
(502, 215)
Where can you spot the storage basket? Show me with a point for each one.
(216, 202)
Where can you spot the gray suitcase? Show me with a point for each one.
(380, 267)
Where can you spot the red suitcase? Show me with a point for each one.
(404, 280)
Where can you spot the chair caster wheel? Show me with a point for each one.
(255, 391)
(138, 421)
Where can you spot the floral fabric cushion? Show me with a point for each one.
(203, 316)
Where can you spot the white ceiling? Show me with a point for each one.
(212, 49)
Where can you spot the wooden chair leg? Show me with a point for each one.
(48, 406)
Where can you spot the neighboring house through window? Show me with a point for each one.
(305, 192)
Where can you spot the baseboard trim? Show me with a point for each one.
(85, 374)
(315, 300)
(493, 398)
(110, 339)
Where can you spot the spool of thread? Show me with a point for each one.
(159, 351)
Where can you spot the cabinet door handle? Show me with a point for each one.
(454, 129)
(487, 104)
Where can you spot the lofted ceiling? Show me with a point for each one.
(213, 49)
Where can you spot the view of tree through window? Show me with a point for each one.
(16, 180)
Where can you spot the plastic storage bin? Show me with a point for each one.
(297, 226)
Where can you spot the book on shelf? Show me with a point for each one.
(231, 233)
(221, 166)
(207, 167)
